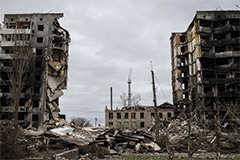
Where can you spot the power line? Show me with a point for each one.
(161, 89)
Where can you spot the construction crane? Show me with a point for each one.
(129, 87)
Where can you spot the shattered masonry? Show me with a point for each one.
(49, 41)
(205, 61)
(137, 117)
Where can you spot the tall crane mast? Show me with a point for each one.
(129, 87)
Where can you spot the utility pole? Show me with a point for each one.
(95, 121)
(157, 119)
(111, 101)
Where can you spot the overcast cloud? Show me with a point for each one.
(111, 36)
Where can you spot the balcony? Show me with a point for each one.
(14, 43)
(5, 31)
(9, 109)
(229, 94)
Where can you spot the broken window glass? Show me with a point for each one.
(142, 124)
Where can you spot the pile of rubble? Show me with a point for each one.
(178, 131)
(118, 141)
(94, 141)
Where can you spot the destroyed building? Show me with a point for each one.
(205, 61)
(39, 101)
(137, 117)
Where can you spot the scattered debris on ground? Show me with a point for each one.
(62, 140)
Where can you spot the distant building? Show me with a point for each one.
(49, 42)
(136, 117)
(206, 61)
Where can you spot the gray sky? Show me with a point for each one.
(111, 36)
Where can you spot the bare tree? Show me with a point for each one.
(20, 63)
(124, 99)
(135, 100)
(81, 122)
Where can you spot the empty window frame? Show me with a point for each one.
(152, 115)
(169, 115)
(133, 115)
(126, 116)
(119, 125)
(182, 39)
(119, 116)
(37, 77)
(21, 116)
(38, 64)
(11, 25)
(36, 90)
(4, 76)
(40, 27)
(110, 115)
(5, 90)
(219, 23)
(22, 102)
(35, 117)
(141, 115)
(39, 52)
(221, 75)
(39, 39)
(126, 125)
(110, 124)
(142, 124)
(205, 23)
(237, 74)
(160, 115)
(207, 89)
(35, 103)
(235, 34)
(134, 126)
(7, 51)
(220, 48)
(221, 88)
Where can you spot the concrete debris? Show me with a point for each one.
(62, 130)
(178, 137)
(92, 141)
(127, 141)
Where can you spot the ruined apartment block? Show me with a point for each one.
(136, 117)
(205, 61)
(49, 41)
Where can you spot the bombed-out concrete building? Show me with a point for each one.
(205, 61)
(47, 77)
(136, 117)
